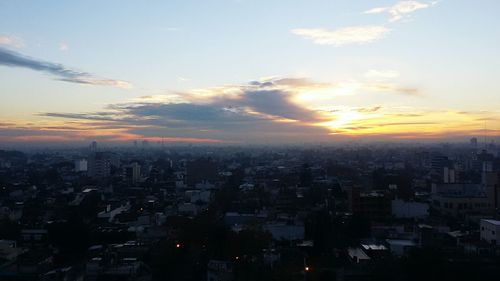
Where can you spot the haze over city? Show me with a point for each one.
(248, 72)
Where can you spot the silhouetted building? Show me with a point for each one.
(132, 172)
(201, 171)
(99, 165)
(371, 205)
(93, 146)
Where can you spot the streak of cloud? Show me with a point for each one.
(11, 41)
(60, 72)
(401, 9)
(343, 36)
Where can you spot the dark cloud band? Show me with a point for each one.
(61, 72)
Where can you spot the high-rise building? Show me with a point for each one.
(473, 143)
(440, 169)
(93, 146)
(132, 172)
(99, 165)
(81, 165)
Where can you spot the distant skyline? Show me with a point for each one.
(248, 71)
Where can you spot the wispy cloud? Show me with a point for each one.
(401, 9)
(59, 71)
(11, 41)
(171, 28)
(381, 74)
(181, 79)
(392, 88)
(369, 109)
(63, 47)
(343, 36)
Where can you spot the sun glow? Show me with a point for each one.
(342, 119)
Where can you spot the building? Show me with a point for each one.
(93, 146)
(473, 143)
(282, 231)
(218, 270)
(490, 231)
(438, 165)
(132, 172)
(400, 247)
(371, 205)
(202, 170)
(405, 209)
(99, 165)
(490, 179)
(460, 199)
(81, 165)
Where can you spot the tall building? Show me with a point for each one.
(99, 165)
(490, 179)
(93, 146)
(440, 169)
(81, 165)
(132, 172)
(473, 143)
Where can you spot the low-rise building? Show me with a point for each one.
(490, 231)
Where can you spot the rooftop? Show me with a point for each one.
(494, 222)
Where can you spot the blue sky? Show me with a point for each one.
(434, 59)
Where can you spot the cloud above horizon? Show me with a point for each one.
(268, 110)
(60, 72)
(401, 9)
(11, 41)
(343, 36)
(259, 111)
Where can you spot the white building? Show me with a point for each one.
(81, 165)
(490, 231)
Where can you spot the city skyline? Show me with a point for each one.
(244, 72)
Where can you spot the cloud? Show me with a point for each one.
(381, 74)
(59, 71)
(181, 79)
(343, 36)
(401, 9)
(392, 88)
(369, 109)
(63, 47)
(10, 41)
(260, 111)
(171, 28)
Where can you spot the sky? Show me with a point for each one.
(248, 71)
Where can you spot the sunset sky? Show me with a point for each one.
(248, 71)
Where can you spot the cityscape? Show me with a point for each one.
(242, 140)
(351, 212)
